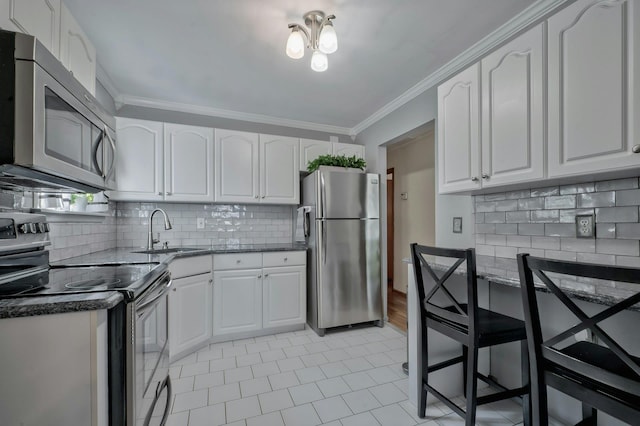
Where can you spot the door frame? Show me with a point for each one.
(390, 226)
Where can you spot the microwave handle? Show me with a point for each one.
(95, 157)
(115, 153)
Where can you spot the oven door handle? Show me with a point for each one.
(145, 304)
(166, 383)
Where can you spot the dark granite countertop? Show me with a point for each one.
(505, 272)
(46, 305)
(124, 255)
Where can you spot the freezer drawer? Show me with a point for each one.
(348, 286)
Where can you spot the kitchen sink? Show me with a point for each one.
(167, 250)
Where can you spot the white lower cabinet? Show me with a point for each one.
(237, 301)
(190, 311)
(284, 296)
(190, 304)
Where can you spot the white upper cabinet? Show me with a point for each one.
(252, 168)
(311, 149)
(594, 89)
(77, 53)
(458, 132)
(279, 170)
(39, 18)
(140, 160)
(348, 149)
(188, 169)
(237, 167)
(512, 113)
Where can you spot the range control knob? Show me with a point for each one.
(23, 228)
(33, 229)
(42, 227)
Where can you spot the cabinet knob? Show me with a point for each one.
(174, 289)
(474, 179)
(255, 196)
(636, 149)
(169, 193)
(259, 276)
(159, 193)
(210, 282)
(263, 196)
(266, 275)
(286, 258)
(485, 176)
(238, 261)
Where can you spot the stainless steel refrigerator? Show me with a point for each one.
(342, 230)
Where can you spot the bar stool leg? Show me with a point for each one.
(465, 354)
(526, 382)
(424, 361)
(589, 416)
(471, 385)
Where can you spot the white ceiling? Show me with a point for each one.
(229, 54)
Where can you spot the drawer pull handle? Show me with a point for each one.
(259, 276)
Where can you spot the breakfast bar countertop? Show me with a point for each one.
(505, 272)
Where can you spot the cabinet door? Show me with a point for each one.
(39, 18)
(512, 111)
(77, 53)
(348, 149)
(458, 132)
(284, 296)
(188, 171)
(279, 170)
(190, 308)
(311, 149)
(594, 92)
(237, 167)
(237, 301)
(139, 166)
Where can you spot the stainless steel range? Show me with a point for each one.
(139, 383)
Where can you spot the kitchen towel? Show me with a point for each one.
(299, 234)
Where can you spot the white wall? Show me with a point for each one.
(414, 218)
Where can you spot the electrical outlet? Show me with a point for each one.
(585, 226)
(200, 223)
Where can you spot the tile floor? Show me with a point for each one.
(349, 378)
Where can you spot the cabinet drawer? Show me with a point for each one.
(284, 258)
(189, 266)
(237, 261)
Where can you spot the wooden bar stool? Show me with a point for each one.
(468, 324)
(604, 377)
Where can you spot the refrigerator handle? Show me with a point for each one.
(323, 197)
(324, 241)
(306, 224)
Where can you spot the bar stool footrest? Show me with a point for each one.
(445, 400)
(444, 364)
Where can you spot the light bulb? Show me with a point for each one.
(328, 42)
(295, 45)
(319, 61)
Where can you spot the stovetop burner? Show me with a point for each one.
(93, 283)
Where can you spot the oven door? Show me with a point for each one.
(57, 133)
(151, 372)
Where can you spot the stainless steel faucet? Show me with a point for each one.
(167, 226)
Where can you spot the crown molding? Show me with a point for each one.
(234, 115)
(106, 82)
(531, 15)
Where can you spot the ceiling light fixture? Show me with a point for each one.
(321, 38)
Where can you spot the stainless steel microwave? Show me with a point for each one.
(54, 136)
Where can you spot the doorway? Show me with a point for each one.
(396, 300)
(410, 213)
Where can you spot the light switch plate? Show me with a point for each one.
(585, 226)
(200, 223)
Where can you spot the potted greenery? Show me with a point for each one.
(78, 202)
(352, 162)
